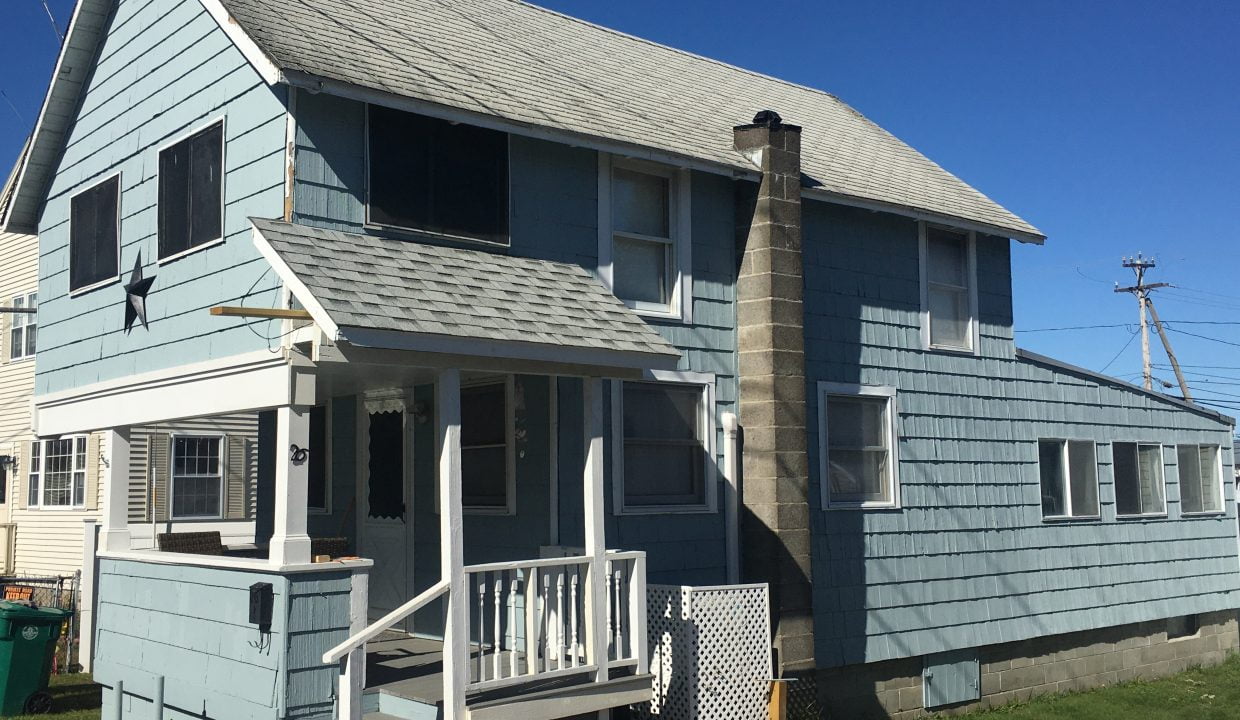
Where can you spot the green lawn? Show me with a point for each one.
(74, 697)
(1199, 694)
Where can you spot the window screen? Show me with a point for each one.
(1138, 479)
(93, 248)
(664, 450)
(431, 175)
(947, 289)
(191, 209)
(484, 446)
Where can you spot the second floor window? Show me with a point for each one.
(94, 235)
(1138, 478)
(948, 292)
(1200, 488)
(191, 192)
(434, 176)
(24, 327)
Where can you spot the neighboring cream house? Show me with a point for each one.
(49, 488)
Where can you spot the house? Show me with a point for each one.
(499, 285)
(50, 509)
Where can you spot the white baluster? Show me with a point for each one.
(533, 621)
(610, 614)
(573, 604)
(545, 599)
(496, 636)
(482, 627)
(512, 625)
(559, 620)
(620, 616)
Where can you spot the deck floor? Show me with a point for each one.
(406, 666)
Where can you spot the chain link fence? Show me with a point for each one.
(62, 592)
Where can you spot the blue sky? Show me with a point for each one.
(1112, 126)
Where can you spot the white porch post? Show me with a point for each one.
(289, 542)
(115, 531)
(86, 595)
(596, 541)
(451, 544)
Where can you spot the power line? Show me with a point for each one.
(1128, 325)
(16, 112)
(1121, 352)
(52, 19)
(1204, 337)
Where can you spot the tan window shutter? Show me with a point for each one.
(21, 481)
(92, 471)
(161, 449)
(236, 467)
(139, 478)
(5, 340)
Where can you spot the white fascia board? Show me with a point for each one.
(262, 63)
(296, 286)
(253, 381)
(515, 350)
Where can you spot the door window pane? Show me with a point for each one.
(386, 482)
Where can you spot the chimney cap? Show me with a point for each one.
(768, 118)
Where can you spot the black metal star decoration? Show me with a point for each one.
(135, 296)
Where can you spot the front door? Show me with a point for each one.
(386, 517)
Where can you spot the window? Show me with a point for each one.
(1138, 479)
(857, 441)
(191, 192)
(319, 489)
(57, 473)
(1201, 489)
(1069, 472)
(486, 450)
(948, 295)
(664, 461)
(1184, 626)
(94, 235)
(197, 477)
(644, 251)
(4, 482)
(25, 327)
(435, 176)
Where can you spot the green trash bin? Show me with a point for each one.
(28, 638)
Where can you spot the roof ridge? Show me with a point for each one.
(687, 53)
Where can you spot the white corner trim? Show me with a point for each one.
(298, 288)
(261, 62)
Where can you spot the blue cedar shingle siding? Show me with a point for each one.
(554, 216)
(165, 69)
(968, 561)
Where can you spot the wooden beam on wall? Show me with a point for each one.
(266, 313)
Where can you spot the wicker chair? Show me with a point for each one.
(194, 543)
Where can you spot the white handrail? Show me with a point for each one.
(377, 628)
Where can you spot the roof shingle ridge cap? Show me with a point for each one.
(687, 53)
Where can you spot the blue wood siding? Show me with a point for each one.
(165, 69)
(968, 560)
(554, 216)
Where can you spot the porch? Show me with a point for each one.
(542, 624)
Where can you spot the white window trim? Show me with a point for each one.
(826, 389)
(1066, 466)
(1218, 482)
(510, 454)
(25, 299)
(413, 231)
(222, 121)
(1162, 469)
(120, 192)
(172, 475)
(40, 506)
(680, 306)
(327, 460)
(710, 470)
(974, 333)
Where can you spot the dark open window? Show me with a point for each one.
(93, 248)
(431, 175)
(191, 190)
(318, 495)
(484, 446)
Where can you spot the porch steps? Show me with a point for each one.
(570, 700)
(379, 716)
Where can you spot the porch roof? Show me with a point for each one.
(384, 293)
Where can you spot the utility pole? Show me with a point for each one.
(1141, 290)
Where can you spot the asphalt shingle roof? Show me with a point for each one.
(531, 66)
(378, 283)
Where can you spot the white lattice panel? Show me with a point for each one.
(710, 652)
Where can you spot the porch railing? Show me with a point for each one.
(527, 620)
